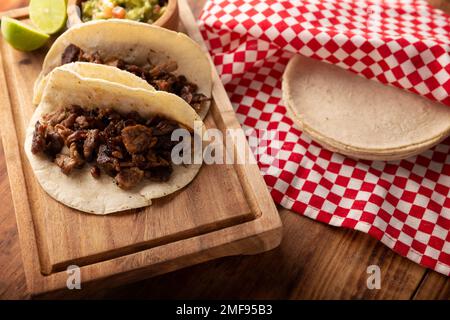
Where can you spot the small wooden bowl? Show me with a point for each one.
(168, 20)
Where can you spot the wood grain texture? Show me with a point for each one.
(444, 5)
(433, 286)
(313, 261)
(12, 278)
(18, 13)
(12, 4)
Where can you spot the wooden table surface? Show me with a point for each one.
(314, 261)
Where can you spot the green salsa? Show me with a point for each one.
(139, 10)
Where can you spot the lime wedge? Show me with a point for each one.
(48, 15)
(21, 36)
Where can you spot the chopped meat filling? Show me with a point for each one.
(95, 172)
(128, 178)
(124, 146)
(136, 138)
(71, 54)
(66, 163)
(91, 143)
(48, 141)
(160, 76)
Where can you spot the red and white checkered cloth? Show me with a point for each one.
(405, 204)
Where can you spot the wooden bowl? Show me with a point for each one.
(168, 20)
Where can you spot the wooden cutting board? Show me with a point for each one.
(226, 210)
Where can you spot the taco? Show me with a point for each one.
(167, 60)
(102, 147)
(97, 71)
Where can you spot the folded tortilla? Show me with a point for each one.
(96, 71)
(135, 43)
(101, 196)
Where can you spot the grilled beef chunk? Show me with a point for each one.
(71, 54)
(66, 163)
(54, 143)
(136, 138)
(116, 63)
(63, 131)
(95, 172)
(76, 155)
(124, 146)
(47, 140)
(154, 161)
(81, 122)
(160, 76)
(69, 121)
(109, 164)
(54, 118)
(38, 144)
(164, 127)
(75, 137)
(128, 178)
(103, 156)
(91, 142)
(160, 174)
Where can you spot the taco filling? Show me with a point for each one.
(161, 76)
(124, 146)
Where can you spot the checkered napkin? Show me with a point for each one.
(405, 204)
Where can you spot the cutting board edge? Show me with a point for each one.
(54, 286)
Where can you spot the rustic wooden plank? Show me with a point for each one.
(16, 13)
(441, 4)
(340, 269)
(12, 276)
(434, 286)
(314, 261)
(14, 166)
